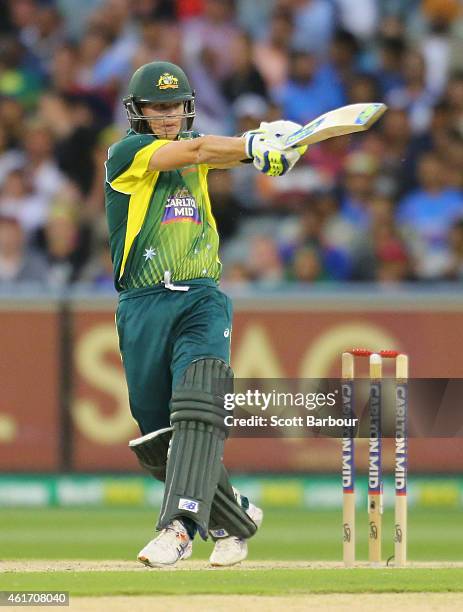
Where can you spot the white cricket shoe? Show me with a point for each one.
(230, 550)
(171, 545)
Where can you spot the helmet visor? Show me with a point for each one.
(165, 121)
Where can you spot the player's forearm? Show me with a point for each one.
(213, 150)
(220, 150)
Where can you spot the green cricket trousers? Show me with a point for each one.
(161, 332)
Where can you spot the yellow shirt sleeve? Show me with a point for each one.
(128, 181)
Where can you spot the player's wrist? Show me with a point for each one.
(249, 138)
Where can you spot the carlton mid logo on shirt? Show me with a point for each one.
(181, 207)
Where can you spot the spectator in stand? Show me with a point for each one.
(428, 213)
(328, 160)
(17, 79)
(10, 157)
(207, 57)
(75, 128)
(20, 16)
(360, 18)
(313, 25)
(113, 67)
(393, 264)
(336, 233)
(38, 144)
(18, 199)
(336, 74)
(440, 133)
(212, 33)
(65, 243)
(17, 263)
(398, 14)
(44, 35)
(185, 9)
(361, 87)
(12, 119)
(398, 154)
(414, 96)
(63, 69)
(265, 264)
(361, 172)
(271, 55)
(391, 56)
(380, 254)
(93, 207)
(306, 266)
(310, 250)
(454, 98)
(236, 274)
(290, 194)
(454, 175)
(436, 44)
(244, 77)
(254, 16)
(306, 94)
(98, 271)
(160, 39)
(75, 15)
(95, 43)
(391, 25)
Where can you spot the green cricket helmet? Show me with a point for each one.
(158, 82)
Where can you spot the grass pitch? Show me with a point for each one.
(286, 536)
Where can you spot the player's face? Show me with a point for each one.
(166, 119)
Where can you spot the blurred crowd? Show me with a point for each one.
(385, 206)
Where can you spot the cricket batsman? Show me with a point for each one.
(173, 322)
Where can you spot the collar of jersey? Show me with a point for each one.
(131, 132)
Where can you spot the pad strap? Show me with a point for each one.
(151, 451)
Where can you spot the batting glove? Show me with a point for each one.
(274, 162)
(276, 131)
(267, 157)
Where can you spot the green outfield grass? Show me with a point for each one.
(236, 582)
(53, 534)
(285, 534)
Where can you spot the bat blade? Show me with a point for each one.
(338, 122)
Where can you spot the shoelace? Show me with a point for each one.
(181, 547)
(175, 530)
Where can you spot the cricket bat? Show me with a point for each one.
(340, 121)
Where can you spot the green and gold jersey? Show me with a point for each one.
(158, 221)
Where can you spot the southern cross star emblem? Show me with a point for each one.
(149, 253)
